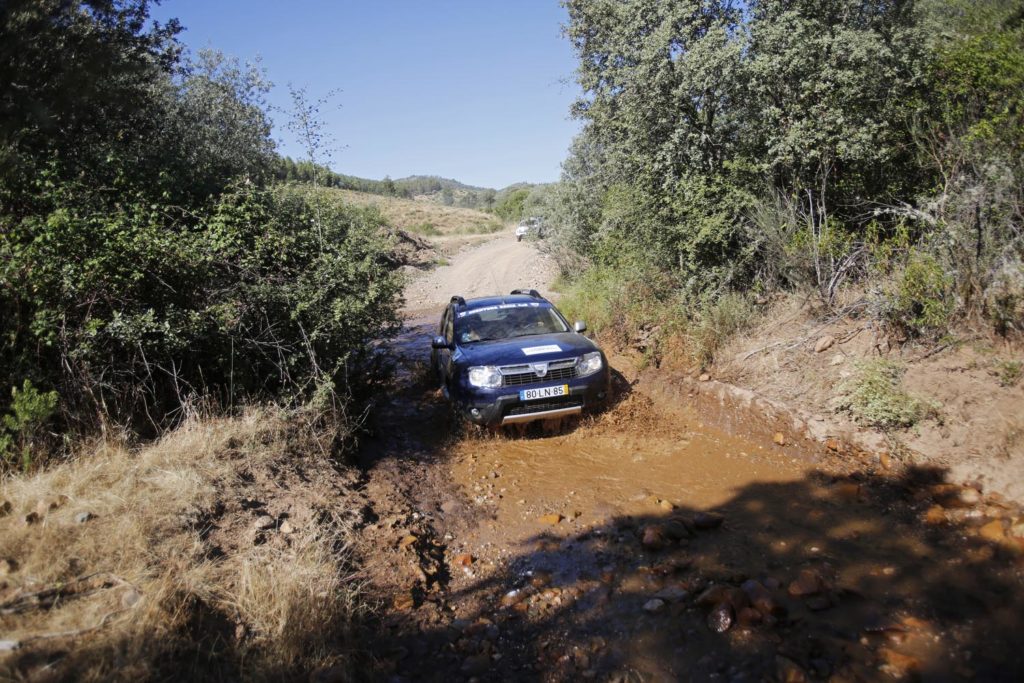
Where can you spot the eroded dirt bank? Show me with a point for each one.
(651, 544)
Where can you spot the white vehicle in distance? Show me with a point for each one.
(532, 224)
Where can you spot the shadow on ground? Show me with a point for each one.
(822, 579)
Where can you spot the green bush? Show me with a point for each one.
(874, 397)
(1004, 299)
(718, 321)
(617, 300)
(20, 429)
(921, 302)
(132, 313)
(510, 206)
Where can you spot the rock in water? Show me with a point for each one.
(807, 583)
(475, 665)
(788, 671)
(677, 530)
(993, 531)
(970, 496)
(706, 521)
(748, 616)
(759, 596)
(712, 596)
(936, 514)
(721, 618)
(654, 605)
(653, 537)
(672, 594)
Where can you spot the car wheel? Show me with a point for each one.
(519, 238)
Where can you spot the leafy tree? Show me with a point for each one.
(144, 261)
(94, 116)
(218, 122)
(510, 206)
(487, 198)
(694, 108)
(830, 92)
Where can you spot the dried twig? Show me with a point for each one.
(24, 602)
(16, 644)
(803, 340)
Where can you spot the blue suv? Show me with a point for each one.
(512, 359)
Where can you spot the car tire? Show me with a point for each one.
(519, 238)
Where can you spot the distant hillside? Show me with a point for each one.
(433, 183)
(424, 217)
(443, 191)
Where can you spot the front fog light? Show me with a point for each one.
(486, 376)
(590, 364)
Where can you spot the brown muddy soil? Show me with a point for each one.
(650, 544)
(800, 355)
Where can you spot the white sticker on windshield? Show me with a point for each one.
(534, 350)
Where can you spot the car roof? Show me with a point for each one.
(484, 301)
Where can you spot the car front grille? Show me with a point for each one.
(519, 375)
(552, 404)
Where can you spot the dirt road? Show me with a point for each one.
(494, 267)
(653, 544)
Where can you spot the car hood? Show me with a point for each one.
(532, 349)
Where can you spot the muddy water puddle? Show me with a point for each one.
(600, 472)
(648, 545)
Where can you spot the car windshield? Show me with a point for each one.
(506, 321)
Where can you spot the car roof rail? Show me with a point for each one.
(528, 292)
(458, 300)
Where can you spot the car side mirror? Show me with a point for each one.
(580, 326)
(439, 343)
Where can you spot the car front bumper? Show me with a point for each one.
(503, 406)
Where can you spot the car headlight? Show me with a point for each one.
(485, 376)
(590, 364)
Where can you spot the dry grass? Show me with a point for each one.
(413, 215)
(182, 584)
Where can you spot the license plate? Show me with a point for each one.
(543, 392)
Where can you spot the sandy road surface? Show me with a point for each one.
(494, 267)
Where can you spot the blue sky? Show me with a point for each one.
(476, 90)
